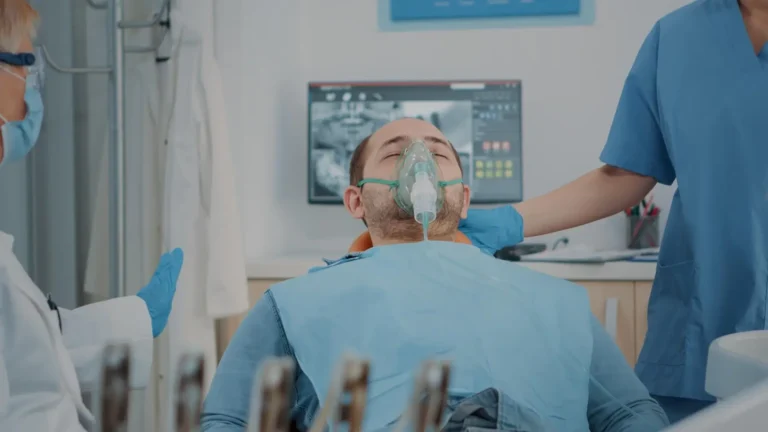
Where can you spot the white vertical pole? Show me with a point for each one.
(117, 148)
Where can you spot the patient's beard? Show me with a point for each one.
(388, 223)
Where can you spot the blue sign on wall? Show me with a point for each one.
(409, 10)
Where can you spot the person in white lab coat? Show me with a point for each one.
(48, 355)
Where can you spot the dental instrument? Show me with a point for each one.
(111, 402)
(430, 396)
(271, 398)
(349, 383)
(189, 392)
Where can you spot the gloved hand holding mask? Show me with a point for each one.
(418, 189)
(158, 294)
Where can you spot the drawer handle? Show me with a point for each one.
(611, 316)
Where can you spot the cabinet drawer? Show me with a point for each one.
(226, 328)
(613, 303)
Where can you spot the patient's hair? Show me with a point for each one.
(17, 21)
(357, 162)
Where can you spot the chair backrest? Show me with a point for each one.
(363, 242)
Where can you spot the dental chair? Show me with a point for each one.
(736, 362)
(363, 242)
(737, 375)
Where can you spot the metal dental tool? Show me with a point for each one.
(347, 396)
(430, 396)
(189, 392)
(351, 408)
(111, 401)
(272, 396)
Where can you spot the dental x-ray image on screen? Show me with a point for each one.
(338, 128)
(342, 115)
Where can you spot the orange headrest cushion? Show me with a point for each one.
(363, 242)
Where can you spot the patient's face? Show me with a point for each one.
(384, 218)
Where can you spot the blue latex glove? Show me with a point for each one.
(493, 229)
(159, 292)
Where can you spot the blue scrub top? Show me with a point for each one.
(695, 108)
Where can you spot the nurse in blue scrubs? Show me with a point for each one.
(694, 109)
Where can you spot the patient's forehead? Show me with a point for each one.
(411, 128)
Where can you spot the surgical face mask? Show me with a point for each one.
(417, 189)
(20, 136)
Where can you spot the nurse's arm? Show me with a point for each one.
(598, 194)
(618, 401)
(260, 336)
(635, 158)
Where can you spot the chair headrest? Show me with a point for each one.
(363, 242)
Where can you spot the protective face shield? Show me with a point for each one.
(417, 189)
(20, 136)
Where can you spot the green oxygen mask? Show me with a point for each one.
(417, 189)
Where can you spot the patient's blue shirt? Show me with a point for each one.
(504, 326)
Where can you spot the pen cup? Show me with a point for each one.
(643, 232)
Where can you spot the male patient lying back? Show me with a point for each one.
(528, 338)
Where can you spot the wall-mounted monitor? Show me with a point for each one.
(482, 119)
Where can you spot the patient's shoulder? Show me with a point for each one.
(333, 272)
(331, 263)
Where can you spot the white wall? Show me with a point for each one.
(572, 78)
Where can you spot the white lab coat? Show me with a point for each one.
(200, 212)
(44, 369)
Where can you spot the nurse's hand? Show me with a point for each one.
(158, 294)
(493, 229)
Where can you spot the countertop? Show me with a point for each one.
(292, 265)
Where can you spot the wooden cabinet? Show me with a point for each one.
(642, 295)
(613, 303)
(621, 306)
(226, 328)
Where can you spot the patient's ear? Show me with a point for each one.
(465, 209)
(353, 201)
